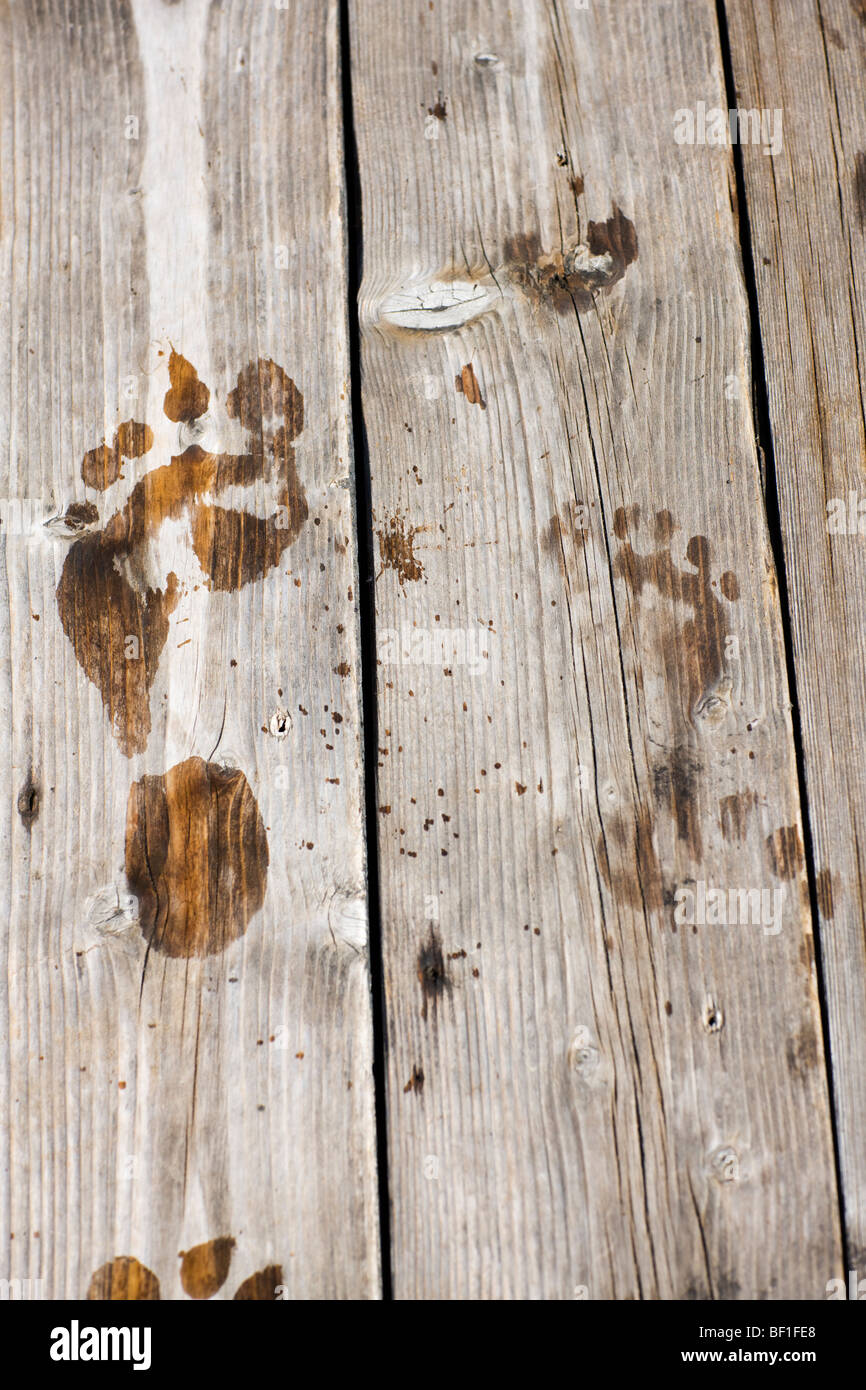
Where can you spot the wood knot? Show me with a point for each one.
(713, 708)
(78, 517)
(280, 723)
(569, 278)
(347, 919)
(28, 802)
(437, 305)
(714, 1018)
(583, 1055)
(725, 1164)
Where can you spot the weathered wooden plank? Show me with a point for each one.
(185, 1017)
(807, 214)
(586, 1097)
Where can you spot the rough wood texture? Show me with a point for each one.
(584, 731)
(583, 1100)
(185, 1019)
(807, 213)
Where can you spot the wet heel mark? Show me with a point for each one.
(124, 1279)
(196, 857)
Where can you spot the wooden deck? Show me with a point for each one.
(433, 648)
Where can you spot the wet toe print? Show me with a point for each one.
(124, 1279)
(785, 852)
(262, 1285)
(196, 857)
(626, 856)
(187, 398)
(699, 652)
(203, 1272)
(204, 1269)
(101, 467)
(116, 614)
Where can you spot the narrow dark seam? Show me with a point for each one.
(367, 611)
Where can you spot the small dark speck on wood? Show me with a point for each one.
(416, 1081)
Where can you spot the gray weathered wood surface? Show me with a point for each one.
(580, 1097)
(807, 211)
(582, 706)
(166, 190)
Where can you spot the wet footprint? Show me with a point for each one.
(196, 848)
(113, 609)
(695, 657)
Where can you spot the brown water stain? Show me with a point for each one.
(432, 973)
(100, 610)
(729, 586)
(627, 861)
(133, 439)
(204, 1269)
(396, 541)
(824, 893)
(617, 238)
(564, 529)
(664, 527)
(626, 520)
(467, 383)
(569, 279)
(124, 1279)
(695, 661)
(265, 391)
(104, 597)
(734, 811)
(187, 398)
(674, 786)
(261, 1286)
(416, 1081)
(568, 525)
(196, 857)
(802, 1052)
(785, 852)
(439, 109)
(80, 514)
(101, 467)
